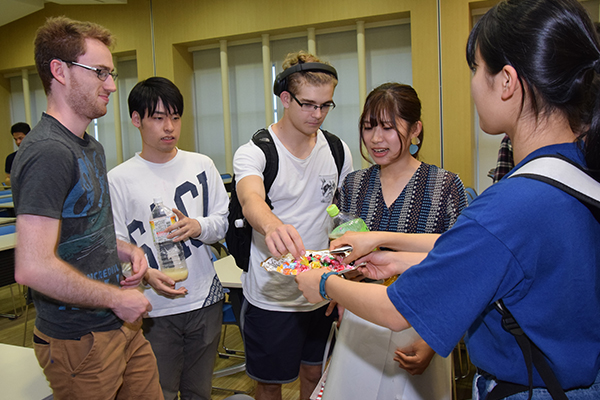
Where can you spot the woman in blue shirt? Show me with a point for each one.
(536, 77)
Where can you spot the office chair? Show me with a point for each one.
(230, 317)
(7, 229)
(471, 194)
(227, 181)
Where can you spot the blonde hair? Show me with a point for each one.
(315, 78)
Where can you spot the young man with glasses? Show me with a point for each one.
(87, 335)
(284, 335)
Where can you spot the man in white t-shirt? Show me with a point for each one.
(185, 323)
(284, 335)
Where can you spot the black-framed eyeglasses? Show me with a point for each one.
(308, 107)
(102, 73)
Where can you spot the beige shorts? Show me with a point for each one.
(117, 364)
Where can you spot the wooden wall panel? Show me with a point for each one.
(184, 23)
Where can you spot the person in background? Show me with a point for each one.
(505, 162)
(184, 325)
(536, 77)
(18, 132)
(398, 193)
(284, 335)
(87, 335)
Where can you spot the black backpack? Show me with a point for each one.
(239, 233)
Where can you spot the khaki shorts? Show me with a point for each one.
(117, 364)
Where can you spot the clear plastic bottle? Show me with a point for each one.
(344, 222)
(171, 257)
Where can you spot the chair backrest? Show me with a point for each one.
(219, 250)
(7, 229)
(471, 194)
(228, 315)
(227, 181)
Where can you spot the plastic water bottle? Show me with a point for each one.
(344, 222)
(171, 257)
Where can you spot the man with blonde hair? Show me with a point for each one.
(87, 335)
(284, 335)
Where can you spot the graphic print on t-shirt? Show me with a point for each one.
(186, 188)
(328, 187)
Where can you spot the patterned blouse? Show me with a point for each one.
(430, 202)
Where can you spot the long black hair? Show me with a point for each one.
(553, 46)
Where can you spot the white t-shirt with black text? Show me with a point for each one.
(300, 195)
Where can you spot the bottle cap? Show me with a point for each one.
(333, 210)
(157, 200)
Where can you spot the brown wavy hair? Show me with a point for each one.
(385, 104)
(64, 39)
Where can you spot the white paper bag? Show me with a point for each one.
(362, 366)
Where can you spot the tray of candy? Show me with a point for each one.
(312, 259)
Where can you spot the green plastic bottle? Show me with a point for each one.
(344, 222)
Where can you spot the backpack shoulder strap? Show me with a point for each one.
(559, 171)
(532, 355)
(563, 173)
(337, 150)
(262, 138)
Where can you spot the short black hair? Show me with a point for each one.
(145, 96)
(22, 127)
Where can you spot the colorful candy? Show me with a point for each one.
(286, 265)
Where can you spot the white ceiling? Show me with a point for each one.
(12, 10)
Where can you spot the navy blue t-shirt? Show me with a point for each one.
(9, 162)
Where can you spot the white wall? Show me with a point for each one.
(130, 135)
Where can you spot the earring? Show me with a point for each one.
(414, 145)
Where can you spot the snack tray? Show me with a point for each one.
(312, 259)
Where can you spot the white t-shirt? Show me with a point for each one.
(300, 195)
(191, 183)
